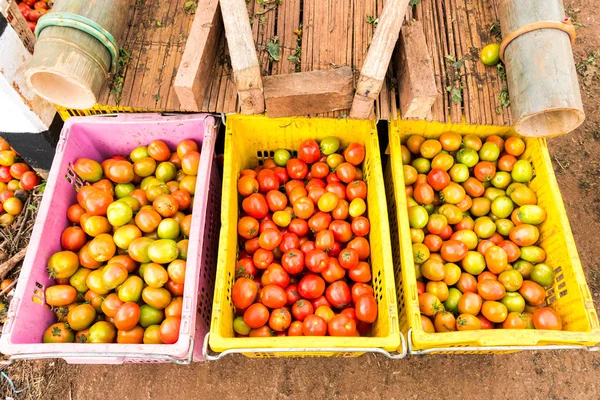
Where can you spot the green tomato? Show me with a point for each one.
(131, 202)
(119, 213)
(163, 251)
(77, 280)
(489, 152)
(131, 289)
(422, 165)
(513, 301)
(511, 279)
(123, 189)
(531, 214)
(501, 180)
(329, 145)
(522, 171)
(543, 275)
(150, 316)
(418, 217)
(451, 303)
(138, 153)
(503, 226)
(459, 173)
(168, 228)
(492, 193)
(240, 327)
(182, 246)
(524, 268)
(490, 54)
(502, 206)
(166, 171)
(473, 263)
(467, 156)
(281, 157)
(533, 254)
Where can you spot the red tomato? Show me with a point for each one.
(320, 221)
(359, 289)
(273, 296)
(438, 179)
(453, 250)
(267, 180)
(316, 260)
(127, 316)
(295, 329)
(296, 169)
(169, 330)
(292, 294)
(319, 170)
(307, 247)
(298, 226)
(302, 309)
(324, 240)
(255, 205)
(289, 241)
(309, 151)
(248, 227)
(293, 261)
(311, 286)
(547, 318)
(29, 180)
(338, 294)
(314, 326)
(354, 153)
(361, 226)
(342, 230)
(362, 273)
(275, 275)
(5, 175)
(256, 315)
(346, 172)
(339, 190)
(244, 293)
(361, 245)
(73, 238)
(356, 189)
(348, 258)
(333, 272)
(270, 239)
(280, 319)
(314, 183)
(320, 301)
(342, 325)
(18, 169)
(366, 308)
(25, 9)
(263, 258)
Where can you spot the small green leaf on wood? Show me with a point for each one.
(414, 2)
(273, 49)
(190, 7)
(157, 96)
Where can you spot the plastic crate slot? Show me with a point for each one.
(562, 285)
(557, 270)
(563, 293)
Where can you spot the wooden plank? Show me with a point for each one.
(10, 10)
(191, 82)
(306, 93)
(244, 60)
(378, 58)
(415, 73)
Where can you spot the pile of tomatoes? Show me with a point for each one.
(121, 274)
(16, 179)
(474, 228)
(33, 10)
(304, 269)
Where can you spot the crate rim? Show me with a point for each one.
(450, 341)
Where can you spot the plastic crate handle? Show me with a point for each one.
(217, 356)
(495, 348)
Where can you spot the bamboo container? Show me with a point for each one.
(69, 66)
(542, 81)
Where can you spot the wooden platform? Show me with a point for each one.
(317, 35)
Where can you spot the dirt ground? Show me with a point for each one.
(533, 375)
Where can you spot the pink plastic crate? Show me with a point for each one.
(99, 138)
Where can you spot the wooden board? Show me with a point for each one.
(304, 93)
(333, 33)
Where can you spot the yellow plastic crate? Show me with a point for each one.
(569, 295)
(66, 113)
(248, 141)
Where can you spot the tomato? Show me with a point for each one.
(490, 54)
(469, 303)
(270, 239)
(152, 335)
(275, 274)
(314, 325)
(429, 304)
(58, 333)
(297, 169)
(473, 263)
(60, 295)
(361, 245)
(338, 294)
(113, 275)
(29, 180)
(342, 325)
(442, 161)
(256, 315)
(127, 316)
(255, 205)
(427, 325)
(433, 270)
(273, 296)
(450, 141)
(451, 303)
(102, 248)
(311, 287)
(73, 238)
(547, 318)
(439, 289)
(309, 151)
(453, 193)
(354, 153)
(511, 279)
(333, 271)
(63, 264)
(169, 330)
(262, 258)
(430, 148)
(362, 273)
(514, 302)
(453, 250)
(490, 289)
(494, 311)
(280, 320)
(533, 254)
(506, 163)
(301, 309)
(542, 274)
(533, 293)
(438, 179)
(444, 322)
(515, 320)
